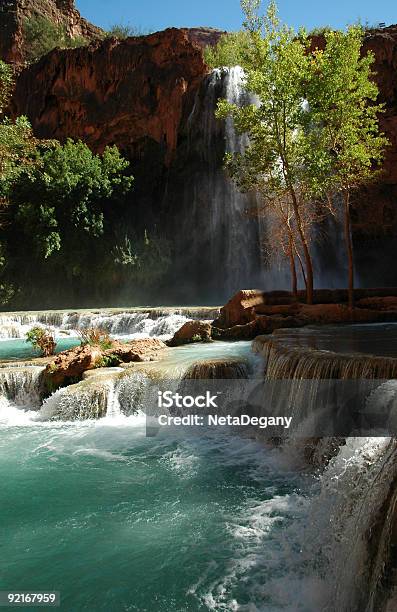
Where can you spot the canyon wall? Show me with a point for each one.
(13, 13)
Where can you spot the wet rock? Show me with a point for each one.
(69, 366)
(142, 349)
(240, 309)
(217, 369)
(192, 331)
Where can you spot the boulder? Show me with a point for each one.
(240, 309)
(70, 365)
(192, 331)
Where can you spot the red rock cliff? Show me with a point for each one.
(14, 12)
(123, 92)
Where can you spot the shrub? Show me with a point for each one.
(42, 339)
(108, 361)
(121, 30)
(95, 336)
(42, 35)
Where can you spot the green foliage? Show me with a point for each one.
(68, 190)
(275, 62)
(42, 35)
(95, 336)
(319, 31)
(108, 361)
(122, 30)
(229, 51)
(42, 339)
(6, 85)
(343, 101)
(315, 132)
(18, 153)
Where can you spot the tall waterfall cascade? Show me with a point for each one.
(224, 239)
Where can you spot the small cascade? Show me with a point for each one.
(112, 402)
(21, 385)
(217, 369)
(284, 362)
(354, 517)
(153, 322)
(85, 400)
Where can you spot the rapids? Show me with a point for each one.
(185, 520)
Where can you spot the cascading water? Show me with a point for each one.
(154, 322)
(217, 227)
(287, 538)
(222, 239)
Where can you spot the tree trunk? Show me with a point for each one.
(294, 276)
(302, 267)
(349, 248)
(306, 252)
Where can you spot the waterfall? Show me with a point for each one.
(217, 227)
(21, 385)
(354, 515)
(217, 369)
(154, 322)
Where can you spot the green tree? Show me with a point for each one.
(276, 65)
(69, 192)
(343, 96)
(6, 85)
(42, 339)
(18, 151)
(228, 51)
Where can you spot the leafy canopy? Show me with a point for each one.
(276, 66)
(70, 188)
(343, 96)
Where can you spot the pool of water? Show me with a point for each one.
(185, 521)
(20, 349)
(181, 522)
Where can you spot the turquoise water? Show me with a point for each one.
(18, 348)
(180, 522)
(117, 521)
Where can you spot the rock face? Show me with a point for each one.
(240, 309)
(14, 12)
(131, 92)
(137, 93)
